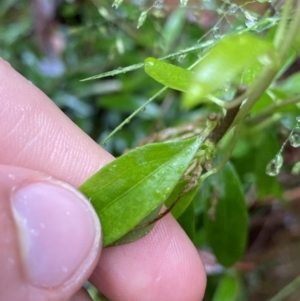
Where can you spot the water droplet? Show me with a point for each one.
(271, 169)
(216, 32)
(181, 58)
(142, 19)
(232, 9)
(298, 118)
(251, 20)
(274, 166)
(158, 4)
(294, 140)
(117, 3)
(184, 2)
(119, 68)
(144, 109)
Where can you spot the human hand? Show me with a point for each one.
(50, 236)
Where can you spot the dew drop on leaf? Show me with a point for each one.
(298, 118)
(294, 140)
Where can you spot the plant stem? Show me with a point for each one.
(127, 120)
(270, 110)
(280, 33)
(287, 290)
(226, 122)
(226, 157)
(224, 125)
(291, 33)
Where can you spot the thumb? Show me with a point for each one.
(50, 237)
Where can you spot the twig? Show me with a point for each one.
(220, 130)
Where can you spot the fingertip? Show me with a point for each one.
(163, 265)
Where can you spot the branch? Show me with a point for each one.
(221, 129)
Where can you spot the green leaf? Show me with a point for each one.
(228, 289)
(128, 189)
(172, 28)
(264, 101)
(251, 73)
(296, 43)
(167, 74)
(142, 19)
(138, 233)
(187, 221)
(183, 202)
(224, 61)
(226, 220)
(291, 85)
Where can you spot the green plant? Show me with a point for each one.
(238, 104)
(133, 188)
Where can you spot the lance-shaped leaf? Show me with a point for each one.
(128, 189)
(167, 74)
(224, 61)
(219, 66)
(228, 289)
(226, 219)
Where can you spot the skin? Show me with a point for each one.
(37, 141)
